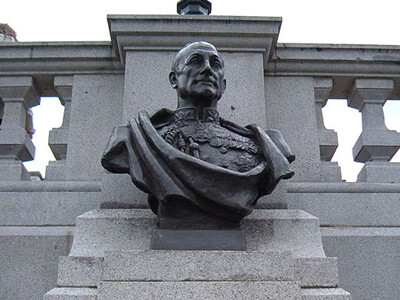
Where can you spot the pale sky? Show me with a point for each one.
(312, 21)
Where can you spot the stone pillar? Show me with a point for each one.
(328, 140)
(376, 144)
(58, 137)
(147, 47)
(18, 94)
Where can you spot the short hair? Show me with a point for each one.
(182, 52)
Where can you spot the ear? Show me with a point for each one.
(223, 88)
(173, 80)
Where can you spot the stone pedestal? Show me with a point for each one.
(111, 259)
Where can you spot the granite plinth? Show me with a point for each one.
(111, 251)
(216, 290)
(179, 266)
(192, 239)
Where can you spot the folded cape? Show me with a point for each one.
(164, 172)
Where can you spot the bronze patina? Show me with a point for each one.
(200, 170)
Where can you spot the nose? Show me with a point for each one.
(206, 67)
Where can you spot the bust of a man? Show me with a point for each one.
(200, 170)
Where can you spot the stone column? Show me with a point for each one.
(18, 94)
(328, 140)
(58, 137)
(376, 144)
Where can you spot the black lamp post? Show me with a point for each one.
(194, 7)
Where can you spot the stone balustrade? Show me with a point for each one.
(18, 94)
(377, 144)
(375, 147)
(328, 140)
(58, 137)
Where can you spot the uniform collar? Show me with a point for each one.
(193, 114)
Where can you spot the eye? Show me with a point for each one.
(216, 64)
(195, 60)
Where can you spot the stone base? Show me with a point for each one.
(111, 251)
(55, 170)
(13, 171)
(385, 172)
(216, 290)
(325, 294)
(71, 294)
(191, 239)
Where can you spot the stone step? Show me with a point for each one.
(177, 265)
(283, 229)
(28, 259)
(316, 271)
(221, 290)
(79, 271)
(325, 294)
(71, 294)
(134, 265)
(100, 230)
(266, 230)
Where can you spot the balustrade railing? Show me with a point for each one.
(18, 94)
(58, 137)
(20, 90)
(377, 144)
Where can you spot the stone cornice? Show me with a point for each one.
(170, 32)
(343, 63)
(63, 58)
(44, 60)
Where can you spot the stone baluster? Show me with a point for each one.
(58, 137)
(328, 140)
(17, 94)
(376, 144)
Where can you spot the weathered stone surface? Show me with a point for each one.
(348, 204)
(28, 260)
(118, 191)
(44, 203)
(151, 33)
(280, 230)
(217, 290)
(112, 229)
(325, 294)
(266, 230)
(316, 271)
(380, 172)
(79, 271)
(280, 93)
(243, 75)
(13, 170)
(100, 96)
(71, 294)
(368, 260)
(55, 170)
(173, 265)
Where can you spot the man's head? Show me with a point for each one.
(198, 73)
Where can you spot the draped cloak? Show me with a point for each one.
(164, 172)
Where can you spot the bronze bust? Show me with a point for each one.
(200, 170)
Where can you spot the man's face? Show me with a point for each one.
(200, 74)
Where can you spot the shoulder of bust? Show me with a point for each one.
(162, 117)
(236, 128)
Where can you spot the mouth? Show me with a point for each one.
(206, 82)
